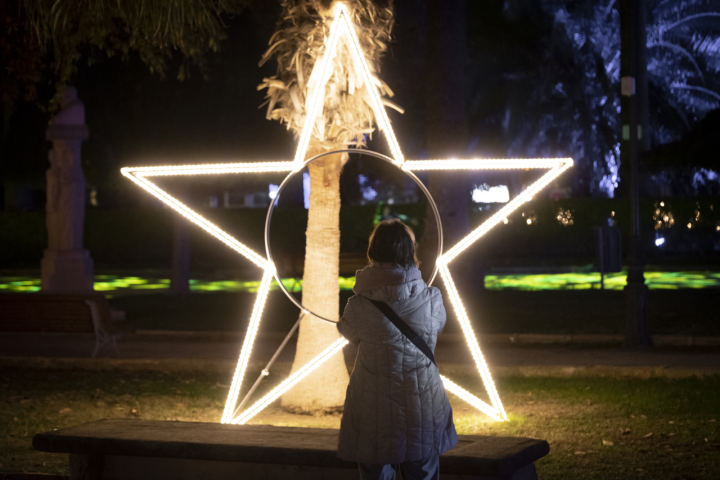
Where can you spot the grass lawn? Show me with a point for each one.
(598, 428)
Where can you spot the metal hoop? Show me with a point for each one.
(287, 179)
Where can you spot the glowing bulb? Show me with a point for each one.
(529, 221)
(662, 204)
(659, 241)
(689, 225)
(505, 221)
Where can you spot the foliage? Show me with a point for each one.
(574, 66)
(42, 40)
(298, 44)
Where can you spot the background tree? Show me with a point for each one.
(345, 121)
(570, 53)
(42, 42)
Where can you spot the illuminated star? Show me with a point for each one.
(342, 30)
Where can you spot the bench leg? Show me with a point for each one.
(85, 467)
(528, 472)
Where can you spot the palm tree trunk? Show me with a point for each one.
(324, 389)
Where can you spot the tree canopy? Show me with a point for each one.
(570, 52)
(41, 41)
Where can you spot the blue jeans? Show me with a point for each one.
(427, 469)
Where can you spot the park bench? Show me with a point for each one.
(75, 313)
(134, 449)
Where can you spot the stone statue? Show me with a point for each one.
(66, 266)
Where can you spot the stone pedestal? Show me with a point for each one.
(67, 271)
(66, 266)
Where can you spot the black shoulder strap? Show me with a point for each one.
(405, 329)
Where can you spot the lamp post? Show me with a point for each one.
(633, 72)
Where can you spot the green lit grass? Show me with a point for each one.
(612, 281)
(115, 284)
(575, 415)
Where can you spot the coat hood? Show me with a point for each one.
(388, 282)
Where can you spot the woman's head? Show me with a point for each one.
(392, 242)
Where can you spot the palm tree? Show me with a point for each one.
(296, 45)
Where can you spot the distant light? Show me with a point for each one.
(369, 193)
(689, 225)
(506, 221)
(272, 190)
(612, 214)
(659, 241)
(662, 204)
(306, 190)
(529, 221)
(487, 194)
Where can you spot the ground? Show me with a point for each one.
(598, 428)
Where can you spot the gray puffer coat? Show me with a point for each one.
(396, 408)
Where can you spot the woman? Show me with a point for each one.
(396, 408)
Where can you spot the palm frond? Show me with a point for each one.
(296, 46)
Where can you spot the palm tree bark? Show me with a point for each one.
(324, 389)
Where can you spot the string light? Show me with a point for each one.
(485, 164)
(343, 29)
(197, 219)
(560, 166)
(471, 399)
(214, 169)
(472, 342)
(291, 381)
(248, 343)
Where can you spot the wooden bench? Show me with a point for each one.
(129, 449)
(77, 313)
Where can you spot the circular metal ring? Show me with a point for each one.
(317, 157)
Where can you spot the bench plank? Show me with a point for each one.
(474, 456)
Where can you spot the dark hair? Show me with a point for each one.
(392, 242)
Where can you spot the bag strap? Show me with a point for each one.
(405, 329)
